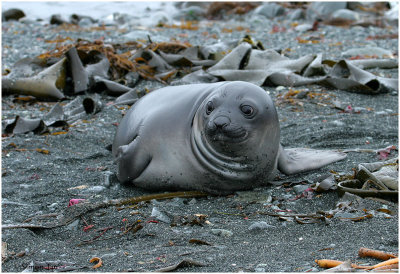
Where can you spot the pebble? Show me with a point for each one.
(368, 50)
(346, 14)
(85, 23)
(297, 14)
(108, 255)
(303, 27)
(95, 189)
(107, 181)
(160, 216)
(270, 10)
(176, 202)
(337, 123)
(138, 35)
(53, 206)
(190, 13)
(57, 20)
(298, 189)
(260, 268)
(159, 17)
(260, 226)
(222, 232)
(73, 225)
(347, 215)
(322, 10)
(393, 14)
(12, 14)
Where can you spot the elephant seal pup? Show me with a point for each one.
(217, 138)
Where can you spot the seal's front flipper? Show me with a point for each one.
(131, 160)
(296, 160)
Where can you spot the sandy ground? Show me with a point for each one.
(79, 166)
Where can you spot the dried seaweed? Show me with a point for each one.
(181, 264)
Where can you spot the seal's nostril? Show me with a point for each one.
(221, 121)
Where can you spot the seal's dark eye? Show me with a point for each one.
(209, 108)
(247, 110)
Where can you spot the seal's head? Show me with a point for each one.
(237, 128)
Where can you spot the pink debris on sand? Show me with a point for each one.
(384, 153)
(75, 201)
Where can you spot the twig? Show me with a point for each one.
(162, 196)
(71, 213)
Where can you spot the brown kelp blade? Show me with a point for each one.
(80, 76)
(45, 85)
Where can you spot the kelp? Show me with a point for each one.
(58, 116)
(378, 179)
(268, 67)
(47, 84)
(96, 66)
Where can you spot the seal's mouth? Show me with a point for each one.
(228, 134)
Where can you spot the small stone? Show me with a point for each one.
(160, 216)
(190, 13)
(368, 50)
(222, 232)
(346, 14)
(393, 14)
(298, 189)
(107, 178)
(85, 22)
(337, 123)
(109, 255)
(12, 14)
(347, 215)
(381, 112)
(261, 268)
(57, 20)
(156, 203)
(302, 94)
(297, 14)
(270, 10)
(21, 254)
(138, 35)
(95, 189)
(322, 10)
(73, 225)
(303, 27)
(53, 206)
(260, 226)
(176, 202)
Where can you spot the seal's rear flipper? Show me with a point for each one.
(296, 160)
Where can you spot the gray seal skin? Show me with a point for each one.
(218, 138)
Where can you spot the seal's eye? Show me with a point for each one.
(210, 107)
(247, 110)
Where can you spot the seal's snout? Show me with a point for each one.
(221, 122)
